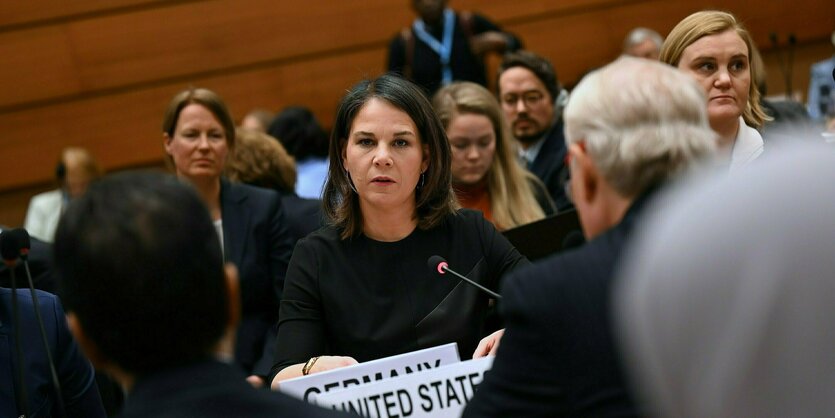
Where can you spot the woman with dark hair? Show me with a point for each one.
(360, 287)
(198, 133)
(298, 130)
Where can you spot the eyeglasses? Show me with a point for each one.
(530, 98)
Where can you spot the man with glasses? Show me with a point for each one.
(529, 91)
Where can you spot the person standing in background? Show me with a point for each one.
(75, 170)
(443, 46)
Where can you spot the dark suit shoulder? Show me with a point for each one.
(239, 191)
(535, 288)
(208, 390)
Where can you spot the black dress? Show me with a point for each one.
(369, 299)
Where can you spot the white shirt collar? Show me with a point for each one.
(747, 147)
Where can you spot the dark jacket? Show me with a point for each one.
(558, 356)
(257, 241)
(75, 373)
(210, 389)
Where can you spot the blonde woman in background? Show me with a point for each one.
(715, 49)
(486, 175)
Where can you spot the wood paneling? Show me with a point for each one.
(124, 129)
(21, 13)
(98, 73)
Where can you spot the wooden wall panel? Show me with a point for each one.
(209, 37)
(32, 12)
(38, 64)
(124, 129)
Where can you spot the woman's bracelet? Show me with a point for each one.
(309, 365)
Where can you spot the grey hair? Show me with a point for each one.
(638, 35)
(641, 121)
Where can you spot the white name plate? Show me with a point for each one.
(309, 387)
(442, 392)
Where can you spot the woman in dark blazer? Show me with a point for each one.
(198, 133)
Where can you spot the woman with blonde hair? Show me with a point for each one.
(716, 49)
(485, 172)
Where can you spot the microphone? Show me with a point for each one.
(438, 264)
(10, 245)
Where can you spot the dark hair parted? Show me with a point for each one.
(539, 66)
(434, 199)
(206, 98)
(298, 130)
(140, 265)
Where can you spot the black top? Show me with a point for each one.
(426, 63)
(210, 389)
(558, 356)
(369, 299)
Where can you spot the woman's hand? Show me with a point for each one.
(323, 363)
(484, 42)
(489, 344)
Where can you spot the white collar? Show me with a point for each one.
(747, 146)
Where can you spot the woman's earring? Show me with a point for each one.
(422, 180)
(350, 182)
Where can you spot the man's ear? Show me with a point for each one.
(233, 296)
(90, 349)
(586, 171)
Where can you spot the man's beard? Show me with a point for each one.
(529, 139)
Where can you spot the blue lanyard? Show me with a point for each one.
(444, 50)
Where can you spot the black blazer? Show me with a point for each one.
(303, 215)
(558, 356)
(550, 167)
(78, 385)
(210, 389)
(257, 241)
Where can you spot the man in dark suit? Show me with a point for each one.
(558, 356)
(443, 46)
(529, 93)
(78, 386)
(150, 301)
